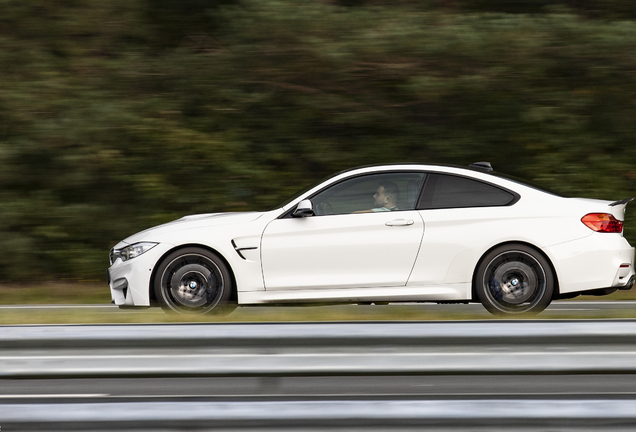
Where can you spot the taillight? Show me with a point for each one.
(602, 222)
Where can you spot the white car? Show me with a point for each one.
(393, 233)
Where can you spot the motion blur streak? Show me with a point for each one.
(116, 115)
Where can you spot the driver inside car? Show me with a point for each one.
(385, 198)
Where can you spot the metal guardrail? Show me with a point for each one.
(509, 415)
(318, 349)
(509, 331)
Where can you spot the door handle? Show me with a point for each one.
(400, 222)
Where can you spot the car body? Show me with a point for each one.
(454, 234)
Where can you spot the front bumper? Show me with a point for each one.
(130, 281)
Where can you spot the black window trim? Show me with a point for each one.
(429, 175)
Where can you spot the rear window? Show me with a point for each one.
(449, 191)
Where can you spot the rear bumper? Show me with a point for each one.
(629, 284)
(595, 262)
(625, 277)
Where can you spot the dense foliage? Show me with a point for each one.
(120, 114)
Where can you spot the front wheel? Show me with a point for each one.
(193, 280)
(514, 279)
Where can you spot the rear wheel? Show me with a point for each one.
(514, 279)
(193, 280)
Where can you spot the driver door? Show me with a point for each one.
(339, 248)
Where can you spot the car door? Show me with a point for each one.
(349, 242)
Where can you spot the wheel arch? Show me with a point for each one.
(473, 292)
(151, 291)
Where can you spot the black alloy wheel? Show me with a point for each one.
(514, 279)
(193, 280)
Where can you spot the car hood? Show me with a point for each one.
(193, 222)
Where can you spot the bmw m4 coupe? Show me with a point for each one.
(392, 233)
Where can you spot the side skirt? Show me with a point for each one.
(446, 292)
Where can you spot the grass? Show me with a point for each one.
(74, 292)
(97, 294)
(242, 315)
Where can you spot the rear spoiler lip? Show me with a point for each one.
(623, 201)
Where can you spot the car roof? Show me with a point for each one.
(479, 170)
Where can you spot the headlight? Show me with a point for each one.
(130, 252)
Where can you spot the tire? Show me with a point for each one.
(195, 281)
(514, 279)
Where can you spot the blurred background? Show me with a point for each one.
(116, 115)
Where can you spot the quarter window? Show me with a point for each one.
(448, 191)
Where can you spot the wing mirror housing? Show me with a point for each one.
(304, 209)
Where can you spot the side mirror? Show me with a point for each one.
(304, 209)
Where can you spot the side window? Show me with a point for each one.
(448, 191)
(369, 193)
